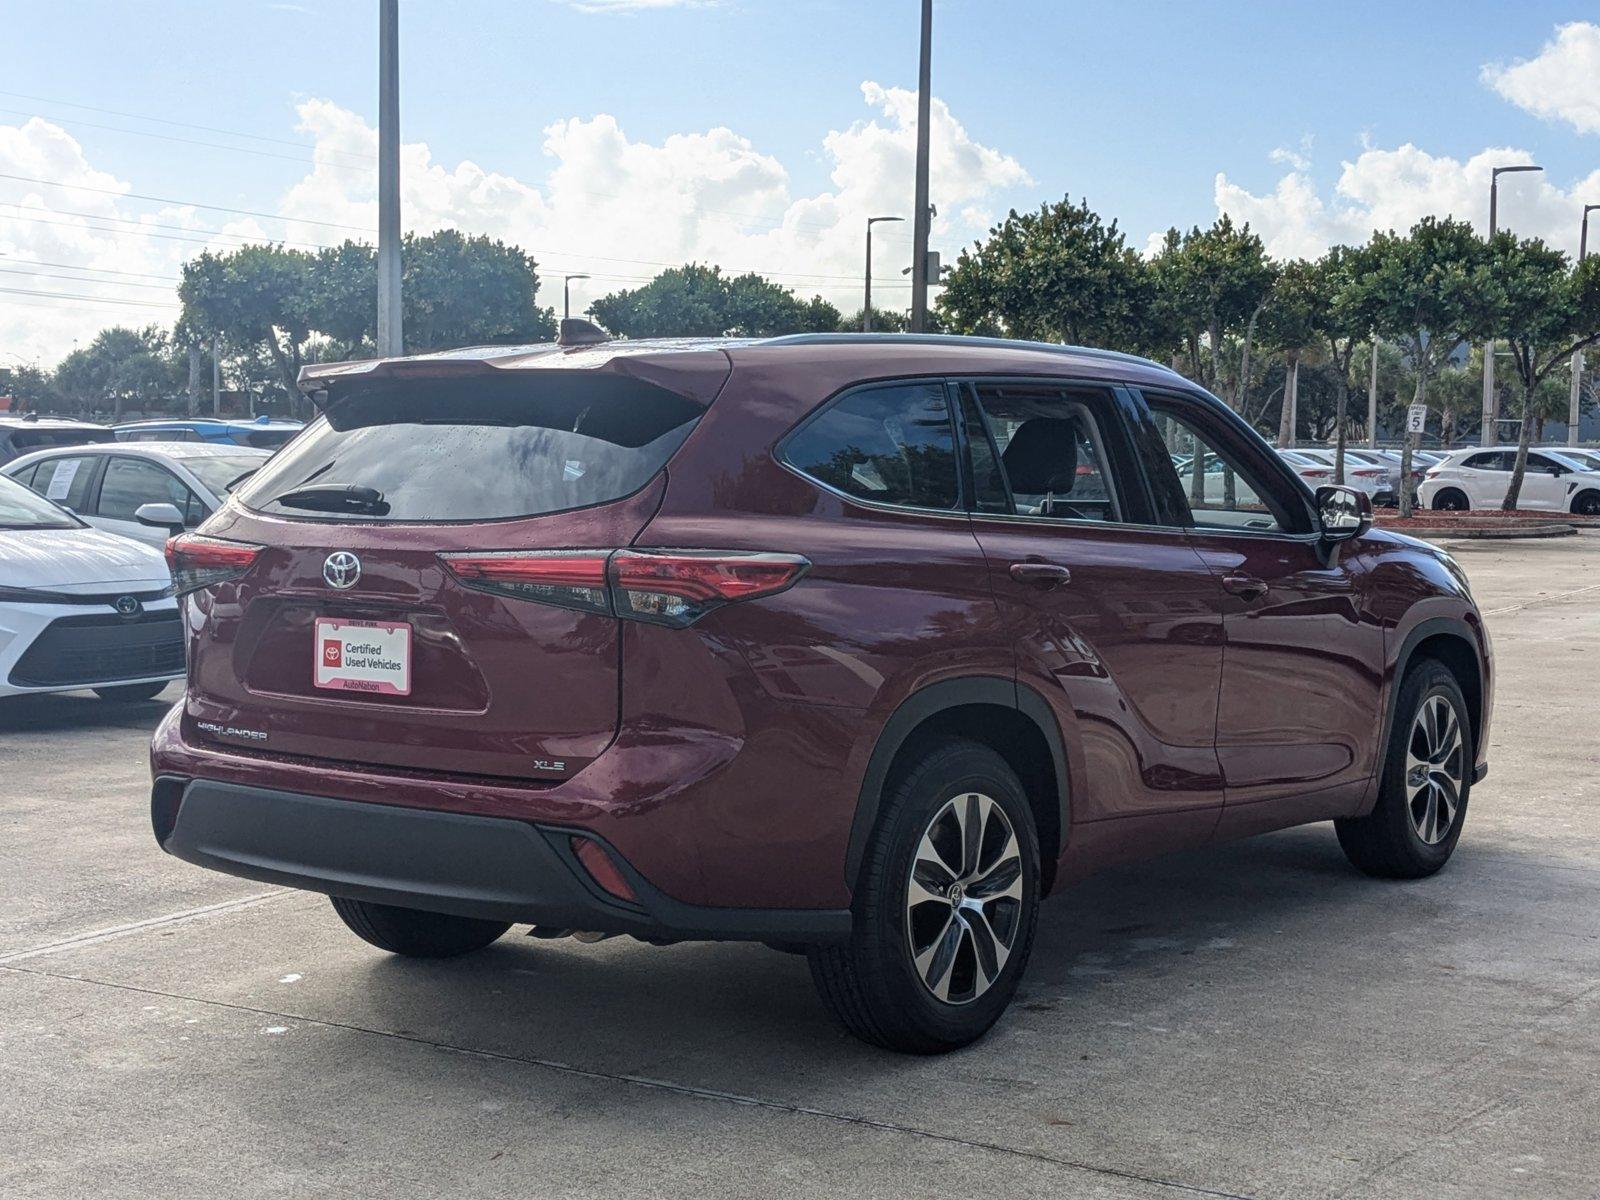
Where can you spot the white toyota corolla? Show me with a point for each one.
(80, 608)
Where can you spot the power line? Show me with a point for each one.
(90, 299)
(144, 230)
(102, 270)
(168, 137)
(243, 212)
(112, 112)
(167, 287)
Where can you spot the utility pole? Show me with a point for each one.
(566, 294)
(1491, 401)
(919, 218)
(216, 380)
(1372, 399)
(866, 307)
(1575, 404)
(391, 341)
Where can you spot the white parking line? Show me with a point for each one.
(95, 936)
(1511, 608)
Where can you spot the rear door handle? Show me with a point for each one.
(1040, 574)
(1247, 586)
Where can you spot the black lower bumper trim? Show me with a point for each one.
(1479, 772)
(489, 867)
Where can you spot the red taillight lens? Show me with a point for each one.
(677, 587)
(1370, 473)
(601, 869)
(667, 587)
(200, 562)
(566, 578)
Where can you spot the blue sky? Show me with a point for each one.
(1139, 106)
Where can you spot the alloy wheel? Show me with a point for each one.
(1435, 769)
(964, 898)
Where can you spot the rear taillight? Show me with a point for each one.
(601, 869)
(667, 587)
(200, 562)
(1370, 473)
(565, 578)
(1433, 474)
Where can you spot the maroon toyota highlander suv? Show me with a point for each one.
(855, 645)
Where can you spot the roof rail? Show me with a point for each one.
(953, 339)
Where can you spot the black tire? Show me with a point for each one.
(871, 984)
(1451, 500)
(414, 933)
(1387, 843)
(131, 693)
(1587, 504)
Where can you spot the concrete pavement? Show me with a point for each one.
(1252, 1020)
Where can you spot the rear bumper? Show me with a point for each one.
(495, 868)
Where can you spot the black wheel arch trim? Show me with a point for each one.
(1454, 627)
(929, 702)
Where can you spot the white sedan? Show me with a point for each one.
(80, 608)
(176, 484)
(1478, 478)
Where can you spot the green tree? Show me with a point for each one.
(1345, 320)
(256, 296)
(1545, 310)
(1430, 291)
(121, 366)
(699, 301)
(1060, 274)
(29, 388)
(1289, 324)
(1211, 288)
(456, 291)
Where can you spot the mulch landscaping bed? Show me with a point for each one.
(1492, 523)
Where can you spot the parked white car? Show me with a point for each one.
(80, 608)
(176, 484)
(1362, 471)
(1313, 472)
(1478, 477)
(1582, 455)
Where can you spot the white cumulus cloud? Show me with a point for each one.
(1395, 188)
(610, 206)
(1561, 82)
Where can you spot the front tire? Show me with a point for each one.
(1587, 504)
(945, 909)
(131, 693)
(1427, 777)
(414, 933)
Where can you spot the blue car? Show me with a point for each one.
(267, 433)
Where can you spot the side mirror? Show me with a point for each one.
(1343, 512)
(160, 516)
(1558, 471)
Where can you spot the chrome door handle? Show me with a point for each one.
(1040, 574)
(1247, 586)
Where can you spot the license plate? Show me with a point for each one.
(363, 656)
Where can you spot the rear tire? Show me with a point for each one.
(131, 693)
(414, 933)
(1451, 500)
(1427, 779)
(964, 927)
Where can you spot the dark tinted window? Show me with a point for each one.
(42, 439)
(267, 439)
(892, 445)
(479, 450)
(1053, 452)
(131, 482)
(1492, 460)
(65, 480)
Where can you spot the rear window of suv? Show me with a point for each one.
(476, 450)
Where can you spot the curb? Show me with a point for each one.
(1519, 531)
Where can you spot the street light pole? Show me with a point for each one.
(566, 294)
(391, 341)
(919, 218)
(1574, 404)
(866, 307)
(1488, 435)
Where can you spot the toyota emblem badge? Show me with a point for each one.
(341, 569)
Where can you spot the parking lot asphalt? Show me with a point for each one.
(1249, 1020)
